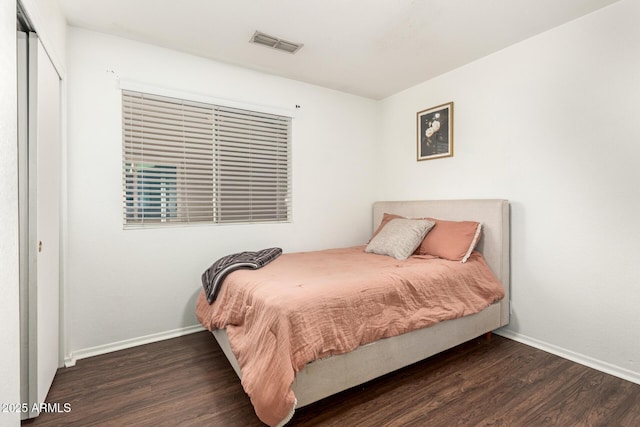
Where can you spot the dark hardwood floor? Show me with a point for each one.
(498, 382)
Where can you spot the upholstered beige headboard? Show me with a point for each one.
(492, 213)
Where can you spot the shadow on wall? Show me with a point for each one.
(189, 315)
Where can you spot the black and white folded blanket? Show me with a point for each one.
(212, 278)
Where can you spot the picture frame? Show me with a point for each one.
(435, 132)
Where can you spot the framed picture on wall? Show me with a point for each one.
(435, 132)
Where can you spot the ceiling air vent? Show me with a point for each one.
(275, 42)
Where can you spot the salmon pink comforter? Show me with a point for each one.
(309, 305)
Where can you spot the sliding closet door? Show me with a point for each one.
(44, 220)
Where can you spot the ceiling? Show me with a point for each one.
(371, 48)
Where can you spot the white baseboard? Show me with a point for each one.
(74, 356)
(599, 365)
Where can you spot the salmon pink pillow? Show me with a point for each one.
(452, 240)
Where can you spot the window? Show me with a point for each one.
(192, 162)
(151, 192)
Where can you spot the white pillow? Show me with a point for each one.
(400, 237)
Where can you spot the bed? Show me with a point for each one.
(333, 373)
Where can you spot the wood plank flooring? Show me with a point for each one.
(187, 381)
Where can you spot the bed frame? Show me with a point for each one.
(331, 375)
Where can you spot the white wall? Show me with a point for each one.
(9, 296)
(551, 124)
(128, 284)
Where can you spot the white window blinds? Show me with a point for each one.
(191, 162)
